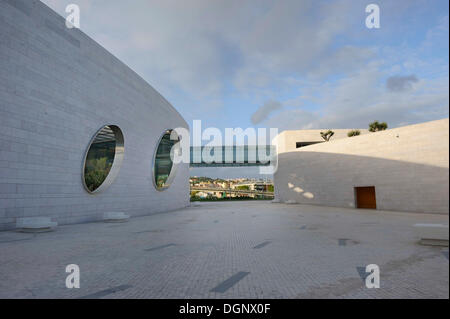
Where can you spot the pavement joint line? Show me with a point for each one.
(149, 231)
(13, 240)
(143, 231)
(230, 282)
(106, 292)
(159, 247)
(262, 245)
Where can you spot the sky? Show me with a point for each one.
(288, 64)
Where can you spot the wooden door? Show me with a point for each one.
(365, 197)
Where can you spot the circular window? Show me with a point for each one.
(103, 159)
(163, 168)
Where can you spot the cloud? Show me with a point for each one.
(399, 83)
(296, 38)
(263, 112)
(317, 55)
(355, 101)
(200, 47)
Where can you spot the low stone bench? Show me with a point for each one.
(115, 217)
(432, 234)
(35, 224)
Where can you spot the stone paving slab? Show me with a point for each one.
(274, 250)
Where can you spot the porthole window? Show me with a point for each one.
(163, 168)
(103, 159)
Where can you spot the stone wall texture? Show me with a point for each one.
(286, 141)
(58, 87)
(409, 167)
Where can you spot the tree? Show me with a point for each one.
(194, 193)
(327, 135)
(96, 171)
(377, 126)
(353, 133)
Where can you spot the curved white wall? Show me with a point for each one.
(57, 89)
(408, 167)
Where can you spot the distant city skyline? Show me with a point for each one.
(227, 172)
(230, 178)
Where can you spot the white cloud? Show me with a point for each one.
(400, 83)
(263, 112)
(201, 46)
(361, 99)
(195, 52)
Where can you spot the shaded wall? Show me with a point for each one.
(57, 88)
(408, 167)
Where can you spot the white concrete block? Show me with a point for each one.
(432, 234)
(35, 224)
(115, 217)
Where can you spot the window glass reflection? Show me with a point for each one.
(163, 164)
(100, 158)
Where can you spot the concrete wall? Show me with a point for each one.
(286, 140)
(408, 167)
(57, 88)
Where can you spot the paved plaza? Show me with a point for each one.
(253, 249)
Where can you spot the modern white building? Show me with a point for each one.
(401, 169)
(80, 132)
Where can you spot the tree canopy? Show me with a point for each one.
(327, 135)
(377, 126)
(353, 133)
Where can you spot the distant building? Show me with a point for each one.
(254, 185)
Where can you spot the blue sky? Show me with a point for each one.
(285, 64)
